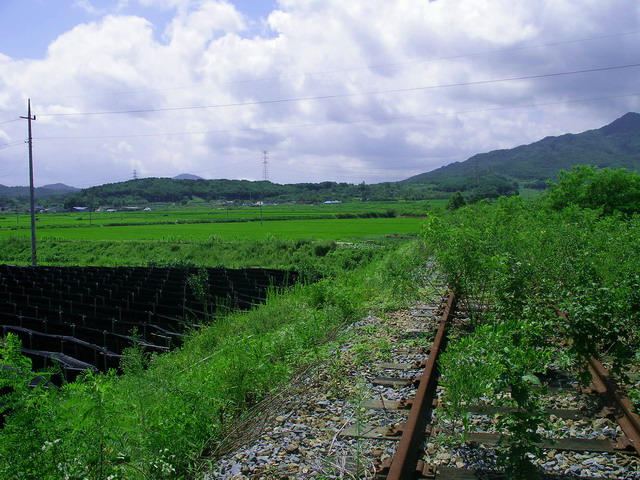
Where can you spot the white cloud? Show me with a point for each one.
(313, 48)
(192, 31)
(87, 6)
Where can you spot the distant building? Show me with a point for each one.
(332, 201)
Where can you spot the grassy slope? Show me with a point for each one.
(310, 256)
(155, 422)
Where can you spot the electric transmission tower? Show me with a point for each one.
(135, 174)
(265, 165)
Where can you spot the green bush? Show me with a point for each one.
(514, 263)
(588, 187)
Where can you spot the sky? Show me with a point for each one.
(347, 91)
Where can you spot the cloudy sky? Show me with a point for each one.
(349, 91)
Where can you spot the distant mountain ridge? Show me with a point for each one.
(59, 187)
(187, 176)
(616, 145)
(44, 191)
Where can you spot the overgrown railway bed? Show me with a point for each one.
(81, 318)
(360, 417)
(595, 432)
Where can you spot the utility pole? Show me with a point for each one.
(265, 177)
(29, 119)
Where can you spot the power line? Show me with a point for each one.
(331, 167)
(345, 122)
(364, 67)
(9, 121)
(101, 181)
(12, 144)
(346, 95)
(14, 167)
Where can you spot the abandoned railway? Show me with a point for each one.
(359, 417)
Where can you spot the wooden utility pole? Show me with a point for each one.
(29, 119)
(265, 177)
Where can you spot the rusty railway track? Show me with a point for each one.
(406, 463)
(618, 405)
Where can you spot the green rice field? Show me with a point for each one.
(321, 229)
(204, 213)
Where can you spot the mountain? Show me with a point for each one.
(40, 192)
(187, 176)
(59, 188)
(616, 145)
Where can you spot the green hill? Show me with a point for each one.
(40, 192)
(616, 145)
(163, 190)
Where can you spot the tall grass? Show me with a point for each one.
(319, 256)
(157, 419)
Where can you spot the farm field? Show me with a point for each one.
(322, 229)
(188, 235)
(203, 213)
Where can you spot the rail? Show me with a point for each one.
(404, 463)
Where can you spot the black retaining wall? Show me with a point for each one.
(83, 317)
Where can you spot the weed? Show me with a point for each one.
(353, 463)
(199, 285)
(157, 419)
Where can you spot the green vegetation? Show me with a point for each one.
(501, 356)
(456, 201)
(166, 190)
(513, 263)
(321, 229)
(198, 224)
(312, 257)
(165, 412)
(133, 226)
(201, 212)
(305, 240)
(587, 187)
(157, 419)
